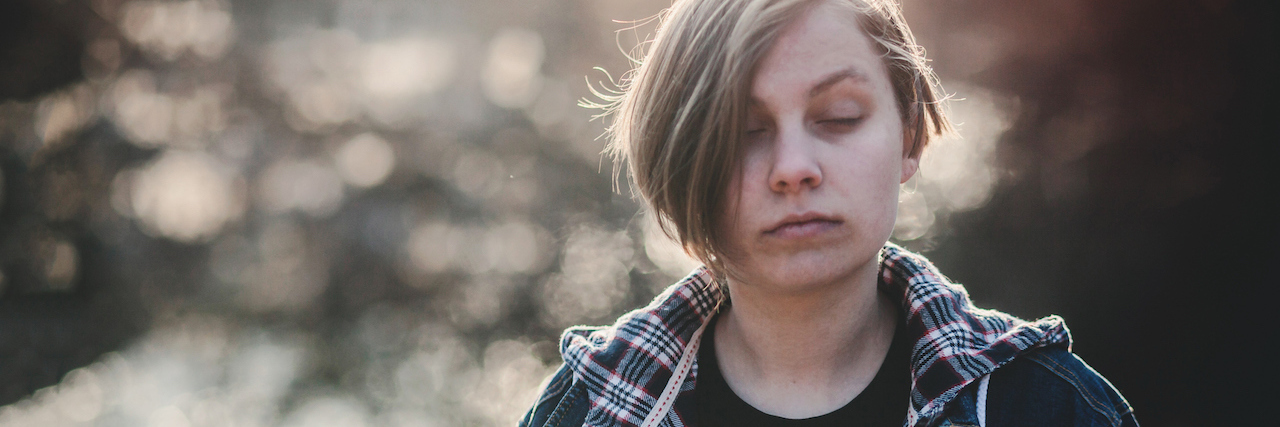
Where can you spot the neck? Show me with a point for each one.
(802, 354)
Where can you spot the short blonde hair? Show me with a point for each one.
(680, 111)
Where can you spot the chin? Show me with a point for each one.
(809, 270)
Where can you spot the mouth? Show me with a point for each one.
(803, 225)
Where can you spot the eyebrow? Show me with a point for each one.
(837, 77)
(851, 73)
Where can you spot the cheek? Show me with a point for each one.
(872, 178)
(874, 195)
(876, 158)
(748, 183)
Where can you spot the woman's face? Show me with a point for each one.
(818, 190)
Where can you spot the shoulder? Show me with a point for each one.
(563, 397)
(1052, 386)
(561, 402)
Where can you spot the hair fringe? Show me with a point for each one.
(685, 89)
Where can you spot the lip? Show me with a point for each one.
(803, 225)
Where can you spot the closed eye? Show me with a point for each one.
(840, 125)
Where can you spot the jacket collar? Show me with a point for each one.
(626, 366)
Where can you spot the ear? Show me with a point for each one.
(910, 162)
(909, 167)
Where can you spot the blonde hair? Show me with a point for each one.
(680, 111)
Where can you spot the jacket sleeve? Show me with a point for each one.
(559, 396)
(1054, 387)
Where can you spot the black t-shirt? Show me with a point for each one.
(883, 403)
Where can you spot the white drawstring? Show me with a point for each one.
(982, 400)
(668, 396)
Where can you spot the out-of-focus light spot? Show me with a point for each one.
(397, 74)
(324, 104)
(479, 174)
(365, 161)
(184, 196)
(149, 118)
(594, 276)
(62, 266)
(158, 370)
(143, 115)
(315, 73)
(664, 252)
(64, 112)
(522, 190)
(214, 34)
(553, 114)
(198, 115)
(436, 376)
(121, 192)
(168, 416)
(145, 23)
(509, 384)
(409, 418)
(189, 371)
(407, 67)
(167, 29)
(515, 246)
(330, 77)
(80, 396)
(511, 76)
(329, 412)
(212, 411)
(480, 303)
(264, 367)
(472, 251)
(914, 216)
(300, 185)
(33, 412)
(380, 329)
(55, 118)
(430, 248)
(503, 243)
(289, 275)
(518, 246)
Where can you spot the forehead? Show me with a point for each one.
(824, 43)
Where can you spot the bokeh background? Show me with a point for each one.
(382, 212)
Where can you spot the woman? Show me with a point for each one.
(770, 137)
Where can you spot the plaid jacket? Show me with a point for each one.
(623, 368)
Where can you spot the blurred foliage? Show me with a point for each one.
(303, 213)
(383, 212)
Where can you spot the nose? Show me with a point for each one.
(796, 166)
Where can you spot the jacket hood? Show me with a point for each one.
(627, 365)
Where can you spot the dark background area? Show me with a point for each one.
(1155, 237)
(1163, 262)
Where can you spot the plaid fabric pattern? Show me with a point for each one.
(626, 366)
(957, 343)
